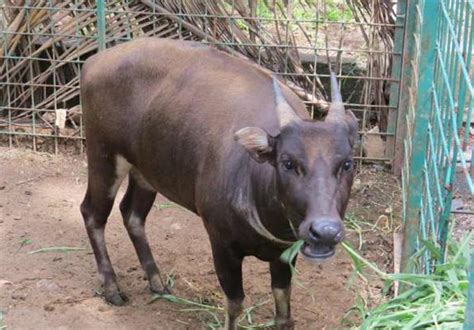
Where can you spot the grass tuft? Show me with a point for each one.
(436, 300)
(215, 313)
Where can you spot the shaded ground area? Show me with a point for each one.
(463, 206)
(39, 207)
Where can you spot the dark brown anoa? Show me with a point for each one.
(220, 137)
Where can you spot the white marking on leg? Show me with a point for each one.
(122, 167)
(233, 308)
(135, 225)
(282, 307)
(89, 221)
(281, 297)
(98, 236)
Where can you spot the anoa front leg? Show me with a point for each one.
(281, 288)
(228, 265)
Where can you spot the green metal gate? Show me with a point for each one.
(436, 111)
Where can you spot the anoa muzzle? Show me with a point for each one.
(223, 138)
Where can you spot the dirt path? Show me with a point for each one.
(39, 207)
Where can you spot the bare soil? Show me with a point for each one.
(39, 207)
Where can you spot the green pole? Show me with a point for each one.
(100, 8)
(395, 86)
(409, 52)
(428, 19)
(469, 314)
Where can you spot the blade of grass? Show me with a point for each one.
(64, 249)
(435, 301)
(355, 256)
(183, 301)
(290, 254)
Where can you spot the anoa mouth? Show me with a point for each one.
(317, 252)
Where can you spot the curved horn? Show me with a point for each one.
(336, 110)
(285, 113)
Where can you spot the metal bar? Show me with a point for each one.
(424, 236)
(422, 115)
(396, 73)
(469, 313)
(439, 122)
(101, 24)
(44, 135)
(435, 168)
(406, 79)
(469, 40)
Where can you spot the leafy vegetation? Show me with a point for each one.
(436, 300)
(337, 11)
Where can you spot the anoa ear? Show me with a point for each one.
(258, 143)
(353, 126)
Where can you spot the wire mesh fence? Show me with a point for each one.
(439, 100)
(437, 94)
(46, 42)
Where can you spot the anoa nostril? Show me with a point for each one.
(339, 236)
(313, 232)
(327, 232)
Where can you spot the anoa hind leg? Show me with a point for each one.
(105, 173)
(135, 207)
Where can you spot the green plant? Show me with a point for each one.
(307, 11)
(24, 242)
(2, 321)
(193, 306)
(434, 300)
(263, 11)
(337, 12)
(165, 205)
(430, 300)
(214, 313)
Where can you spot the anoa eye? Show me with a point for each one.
(288, 165)
(347, 165)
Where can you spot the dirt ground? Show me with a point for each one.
(39, 208)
